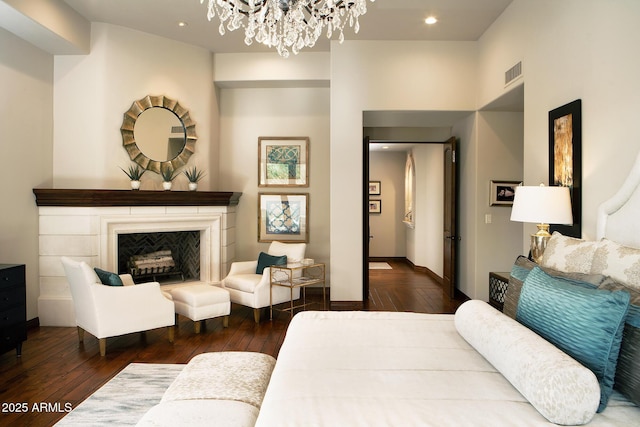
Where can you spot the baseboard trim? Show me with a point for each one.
(424, 270)
(33, 323)
(461, 295)
(347, 305)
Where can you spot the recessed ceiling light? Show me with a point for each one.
(431, 20)
(182, 24)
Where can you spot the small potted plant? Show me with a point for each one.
(134, 173)
(194, 175)
(167, 177)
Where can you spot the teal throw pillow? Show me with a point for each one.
(108, 278)
(266, 260)
(585, 323)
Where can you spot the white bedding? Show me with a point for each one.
(396, 369)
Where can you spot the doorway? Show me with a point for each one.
(433, 256)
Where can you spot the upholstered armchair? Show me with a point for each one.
(109, 311)
(248, 288)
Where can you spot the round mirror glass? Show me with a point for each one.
(159, 134)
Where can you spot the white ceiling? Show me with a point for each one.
(459, 20)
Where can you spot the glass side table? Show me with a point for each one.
(294, 276)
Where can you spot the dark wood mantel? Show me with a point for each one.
(95, 198)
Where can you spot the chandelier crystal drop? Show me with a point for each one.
(287, 25)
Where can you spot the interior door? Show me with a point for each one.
(365, 219)
(451, 238)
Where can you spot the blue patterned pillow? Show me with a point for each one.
(266, 260)
(108, 278)
(585, 323)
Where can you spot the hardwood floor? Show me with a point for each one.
(403, 289)
(56, 371)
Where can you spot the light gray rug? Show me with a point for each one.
(125, 398)
(379, 266)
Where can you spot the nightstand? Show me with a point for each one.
(498, 283)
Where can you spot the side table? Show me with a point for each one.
(498, 283)
(294, 276)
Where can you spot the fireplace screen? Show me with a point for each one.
(163, 256)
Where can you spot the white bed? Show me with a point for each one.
(396, 369)
(409, 369)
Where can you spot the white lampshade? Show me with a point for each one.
(542, 205)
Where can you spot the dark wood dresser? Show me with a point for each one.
(13, 307)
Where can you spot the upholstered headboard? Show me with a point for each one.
(619, 217)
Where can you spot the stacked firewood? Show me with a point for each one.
(152, 263)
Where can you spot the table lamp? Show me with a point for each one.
(543, 206)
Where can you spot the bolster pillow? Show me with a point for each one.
(560, 388)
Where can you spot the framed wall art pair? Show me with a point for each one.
(283, 162)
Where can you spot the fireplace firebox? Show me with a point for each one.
(165, 257)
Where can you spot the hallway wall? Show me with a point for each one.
(387, 229)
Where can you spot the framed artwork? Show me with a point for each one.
(374, 188)
(375, 206)
(283, 161)
(283, 217)
(503, 192)
(565, 159)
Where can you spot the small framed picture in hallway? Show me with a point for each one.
(375, 206)
(374, 188)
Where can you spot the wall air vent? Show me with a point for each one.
(513, 73)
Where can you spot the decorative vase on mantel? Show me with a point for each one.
(134, 173)
(193, 175)
(167, 178)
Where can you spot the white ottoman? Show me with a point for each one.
(201, 302)
(224, 389)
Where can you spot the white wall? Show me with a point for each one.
(570, 49)
(26, 120)
(245, 115)
(499, 158)
(387, 228)
(574, 49)
(369, 76)
(92, 92)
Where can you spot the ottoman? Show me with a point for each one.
(201, 302)
(224, 389)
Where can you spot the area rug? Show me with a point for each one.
(125, 398)
(379, 266)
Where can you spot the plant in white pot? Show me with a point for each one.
(194, 175)
(134, 173)
(167, 177)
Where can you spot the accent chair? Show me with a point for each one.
(249, 288)
(108, 311)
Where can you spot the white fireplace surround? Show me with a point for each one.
(91, 234)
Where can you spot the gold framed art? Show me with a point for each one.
(283, 217)
(283, 161)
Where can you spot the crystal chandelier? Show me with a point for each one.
(287, 24)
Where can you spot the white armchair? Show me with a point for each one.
(252, 290)
(109, 311)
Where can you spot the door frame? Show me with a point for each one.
(365, 207)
